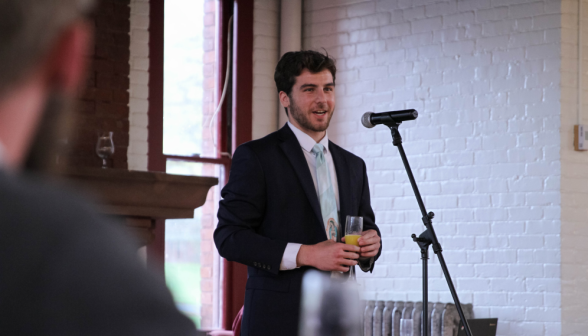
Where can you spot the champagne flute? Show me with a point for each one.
(105, 147)
(353, 230)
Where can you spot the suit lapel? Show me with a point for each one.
(343, 182)
(291, 148)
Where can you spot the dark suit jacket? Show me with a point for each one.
(66, 271)
(270, 201)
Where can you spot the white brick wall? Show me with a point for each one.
(139, 89)
(485, 78)
(266, 47)
(574, 179)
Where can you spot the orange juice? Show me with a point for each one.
(352, 239)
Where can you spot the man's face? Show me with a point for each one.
(311, 102)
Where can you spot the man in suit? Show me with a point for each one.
(64, 270)
(287, 194)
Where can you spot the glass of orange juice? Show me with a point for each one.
(353, 230)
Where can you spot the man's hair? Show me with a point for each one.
(28, 28)
(292, 63)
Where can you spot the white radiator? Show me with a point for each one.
(383, 318)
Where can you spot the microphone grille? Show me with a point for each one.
(365, 120)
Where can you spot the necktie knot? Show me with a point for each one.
(318, 149)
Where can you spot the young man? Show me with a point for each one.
(287, 194)
(63, 269)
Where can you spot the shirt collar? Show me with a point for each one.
(306, 142)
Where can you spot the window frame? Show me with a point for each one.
(234, 127)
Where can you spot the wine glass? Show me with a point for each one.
(353, 230)
(105, 147)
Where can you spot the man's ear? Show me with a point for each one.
(284, 99)
(66, 61)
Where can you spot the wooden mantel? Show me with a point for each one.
(142, 197)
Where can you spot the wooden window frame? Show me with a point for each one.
(234, 274)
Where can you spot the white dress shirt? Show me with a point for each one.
(307, 143)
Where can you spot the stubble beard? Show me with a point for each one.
(303, 119)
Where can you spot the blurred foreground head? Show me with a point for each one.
(42, 56)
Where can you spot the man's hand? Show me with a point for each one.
(369, 242)
(328, 256)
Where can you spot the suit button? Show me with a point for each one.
(269, 267)
(255, 263)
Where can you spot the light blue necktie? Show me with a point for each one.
(326, 194)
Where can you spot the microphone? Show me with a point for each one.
(371, 119)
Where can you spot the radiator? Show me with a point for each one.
(382, 318)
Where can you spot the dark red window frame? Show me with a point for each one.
(234, 274)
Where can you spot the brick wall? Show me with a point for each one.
(139, 85)
(104, 102)
(574, 179)
(485, 78)
(266, 30)
(209, 258)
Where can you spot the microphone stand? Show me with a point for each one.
(428, 237)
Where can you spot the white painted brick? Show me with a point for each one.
(443, 8)
(361, 9)
(475, 60)
(474, 257)
(138, 133)
(463, 6)
(525, 256)
(395, 30)
(547, 21)
(526, 10)
(412, 13)
(492, 14)
(426, 25)
(140, 21)
(492, 43)
(140, 63)
(449, 35)
(139, 77)
(139, 49)
(416, 40)
(460, 19)
(139, 119)
(458, 48)
(491, 186)
(328, 14)
(473, 31)
(543, 315)
(542, 52)
(499, 28)
(490, 298)
(507, 285)
(370, 47)
(360, 61)
(364, 35)
(376, 20)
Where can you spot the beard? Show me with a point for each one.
(47, 149)
(303, 119)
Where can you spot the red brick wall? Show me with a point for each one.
(103, 104)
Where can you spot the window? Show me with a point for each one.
(189, 147)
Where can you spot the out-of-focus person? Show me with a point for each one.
(64, 270)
